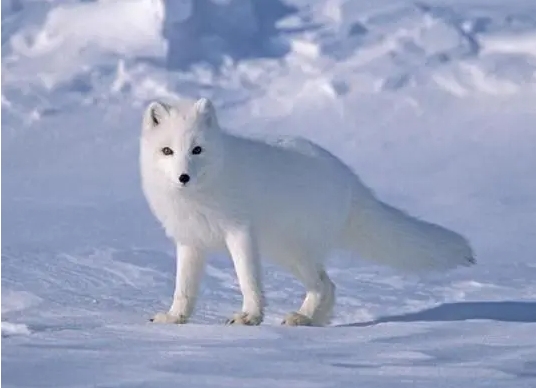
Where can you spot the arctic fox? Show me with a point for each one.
(290, 201)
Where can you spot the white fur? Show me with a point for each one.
(291, 201)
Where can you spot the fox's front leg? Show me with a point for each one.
(190, 265)
(242, 246)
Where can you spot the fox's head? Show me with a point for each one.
(182, 143)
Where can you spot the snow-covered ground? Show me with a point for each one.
(432, 103)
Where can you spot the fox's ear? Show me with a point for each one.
(155, 114)
(206, 112)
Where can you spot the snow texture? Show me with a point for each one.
(431, 103)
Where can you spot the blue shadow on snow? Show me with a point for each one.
(505, 311)
(213, 29)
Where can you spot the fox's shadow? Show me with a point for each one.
(505, 311)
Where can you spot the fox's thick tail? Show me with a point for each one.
(386, 235)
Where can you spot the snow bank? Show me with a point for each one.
(125, 27)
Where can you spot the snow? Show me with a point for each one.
(431, 103)
(14, 329)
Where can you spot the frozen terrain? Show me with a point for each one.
(432, 103)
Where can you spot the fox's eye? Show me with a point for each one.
(197, 150)
(167, 151)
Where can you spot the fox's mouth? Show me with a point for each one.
(179, 185)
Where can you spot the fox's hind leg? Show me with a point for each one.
(325, 310)
(317, 306)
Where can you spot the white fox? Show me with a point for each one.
(290, 201)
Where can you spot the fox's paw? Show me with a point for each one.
(297, 319)
(168, 318)
(244, 318)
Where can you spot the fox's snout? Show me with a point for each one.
(184, 178)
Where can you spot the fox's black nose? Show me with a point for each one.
(184, 178)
